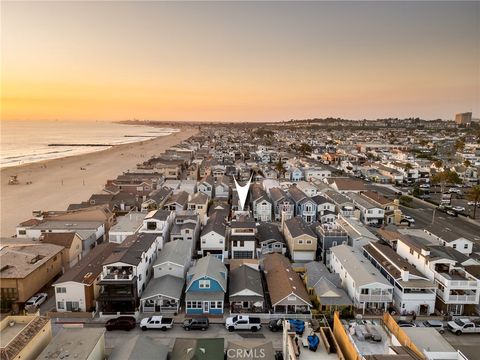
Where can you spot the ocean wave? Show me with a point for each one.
(23, 143)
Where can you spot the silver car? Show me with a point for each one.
(437, 324)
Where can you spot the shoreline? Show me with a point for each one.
(53, 184)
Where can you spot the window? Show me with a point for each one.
(140, 277)
(454, 246)
(219, 304)
(212, 304)
(204, 284)
(60, 305)
(151, 225)
(22, 232)
(300, 242)
(309, 242)
(72, 306)
(9, 293)
(61, 290)
(364, 291)
(465, 246)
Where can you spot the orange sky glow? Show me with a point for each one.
(264, 61)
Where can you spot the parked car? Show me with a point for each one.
(36, 300)
(463, 326)
(126, 323)
(424, 186)
(409, 219)
(437, 324)
(454, 190)
(451, 213)
(275, 325)
(472, 203)
(243, 322)
(196, 324)
(405, 323)
(458, 208)
(156, 322)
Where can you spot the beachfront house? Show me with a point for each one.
(91, 232)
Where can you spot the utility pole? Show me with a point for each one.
(433, 215)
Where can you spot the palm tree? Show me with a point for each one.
(280, 168)
(474, 195)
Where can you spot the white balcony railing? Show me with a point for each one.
(117, 277)
(457, 299)
(456, 284)
(374, 298)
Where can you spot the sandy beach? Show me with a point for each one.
(57, 183)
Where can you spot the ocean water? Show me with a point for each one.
(23, 142)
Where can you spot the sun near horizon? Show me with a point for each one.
(231, 61)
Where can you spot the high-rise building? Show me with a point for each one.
(463, 118)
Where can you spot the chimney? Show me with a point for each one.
(404, 273)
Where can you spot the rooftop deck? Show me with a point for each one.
(369, 337)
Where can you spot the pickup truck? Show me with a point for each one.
(463, 326)
(156, 322)
(242, 322)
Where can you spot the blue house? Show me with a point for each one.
(304, 205)
(296, 174)
(206, 287)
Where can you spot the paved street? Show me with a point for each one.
(468, 344)
(423, 213)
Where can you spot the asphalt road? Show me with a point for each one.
(468, 344)
(423, 213)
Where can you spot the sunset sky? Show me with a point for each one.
(231, 61)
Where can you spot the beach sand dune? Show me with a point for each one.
(57, 183)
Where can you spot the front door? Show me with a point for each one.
(206, 307)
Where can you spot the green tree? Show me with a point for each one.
(438, 163)
(474, 195)
(408, 166)
(460, 144)
(305, 149)
(446, 177)
(467, 163)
